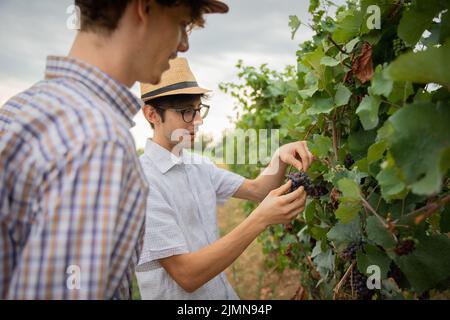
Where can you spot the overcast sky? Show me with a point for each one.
(255, 31)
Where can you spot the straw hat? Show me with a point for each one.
(179, 79)
(214, 6)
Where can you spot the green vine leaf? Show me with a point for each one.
(368, 111)
(347, 211)
(378, 234)
(392, 187)
(411, 66)
(430, 255)
(381, 86)
(294, 24)
(343, 95)
(422, 130)
(373, 256)
(417, 19)
(321, 105)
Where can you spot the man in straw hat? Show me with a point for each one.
(183, 257)
(72, 194)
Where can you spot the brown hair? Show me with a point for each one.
(103, 16)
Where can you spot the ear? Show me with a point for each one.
(143, 8)
(151, 115)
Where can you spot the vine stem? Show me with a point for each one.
(316, 275)
(334, 131)
(336, 45)
(369, 207)
(309, 131)
(342, 281)
(430, 208)
(341, 50)
(383, 222)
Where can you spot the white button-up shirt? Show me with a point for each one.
(181, 218)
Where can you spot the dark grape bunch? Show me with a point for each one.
(349, 253)
(348, 161)
(405, 247)
(395, 273)
(302, 179)
(319, 190)
(358, 282)
(399, 46)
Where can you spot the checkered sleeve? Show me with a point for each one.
(84, 242)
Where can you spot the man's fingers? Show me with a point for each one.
(303, 152)
(297, 203)
(282, 189)
(294, 195)
(295, 162)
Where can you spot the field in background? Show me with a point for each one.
(248, 275)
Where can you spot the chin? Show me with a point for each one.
(155, 80)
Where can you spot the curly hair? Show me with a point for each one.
(104, 15)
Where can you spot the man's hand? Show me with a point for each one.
(279, 207)
(296, 154)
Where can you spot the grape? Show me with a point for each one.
(396, 274)
(348, 161)
(301, 179)
(349, 253)
(319, 191)
(399, 46)
(288, 252)
(405, 247)
(358, 282)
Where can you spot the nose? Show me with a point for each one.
(198, 120)
(183, 46)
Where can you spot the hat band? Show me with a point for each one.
(173, 87)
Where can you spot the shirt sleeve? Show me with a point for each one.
(163, 235)
(91, 213)
(225, 182)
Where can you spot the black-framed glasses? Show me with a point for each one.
(188, 115)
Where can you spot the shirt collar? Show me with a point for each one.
(162, 158)
(117, 95)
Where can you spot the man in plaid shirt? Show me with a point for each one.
(72, 192)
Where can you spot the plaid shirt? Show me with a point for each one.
(72, 192)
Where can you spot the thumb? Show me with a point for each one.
(282, 189)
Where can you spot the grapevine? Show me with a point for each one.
(374, 106)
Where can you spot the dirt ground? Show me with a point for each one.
(248, 275)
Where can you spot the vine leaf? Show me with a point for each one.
(411, 66)
(417, 19)
(422, 130)
(381, 86)
(320, 146)
(343, 234)
(373, 256)
(431, 255)
(294, 24)
(392, 187)
(343, 95)
(368, 111)
(378, 234)
(321, 105)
